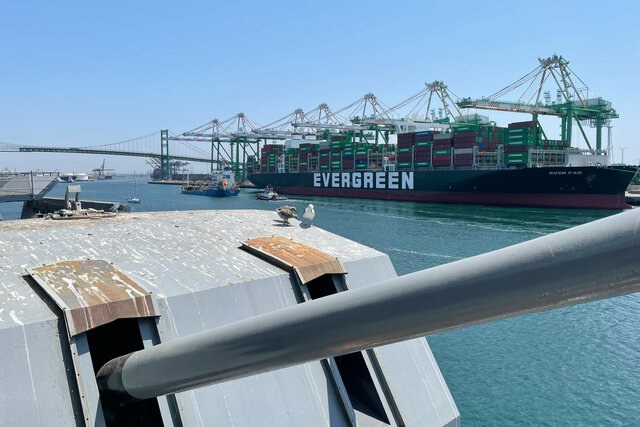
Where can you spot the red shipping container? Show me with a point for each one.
(406, 136)
(424, 138)
(465, 144)
(441, 146)
(405, 144)
(528, 124)
(464, 134)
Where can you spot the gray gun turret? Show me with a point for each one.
(586, 263)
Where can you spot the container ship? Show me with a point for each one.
(469, 163)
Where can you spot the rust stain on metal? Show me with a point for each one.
(308, 263)
(92, 293)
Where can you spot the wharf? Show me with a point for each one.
(47, 205)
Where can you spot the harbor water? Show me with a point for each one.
(573, 366)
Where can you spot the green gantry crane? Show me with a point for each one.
(571, 103)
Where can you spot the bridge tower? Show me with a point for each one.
(165, 167)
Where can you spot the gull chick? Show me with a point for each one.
(286, 213)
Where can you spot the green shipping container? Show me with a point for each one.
(324, 154)
(423, 143)
(441, 152)
(404, 164)
(419, 164)
(359, 166)
(405, 150)
(516, 158)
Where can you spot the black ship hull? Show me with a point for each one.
(588, 187)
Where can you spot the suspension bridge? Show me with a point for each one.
(229, 142)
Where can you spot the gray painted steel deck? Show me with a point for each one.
(200, 279)
(18, 187)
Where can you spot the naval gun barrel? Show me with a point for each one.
(585, 263)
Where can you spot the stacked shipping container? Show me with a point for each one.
(404, 152)
(520, 137)
(442, 144)
(269, 156)
(422, 144)
(420, 149)
(306, 155)
(251, 164)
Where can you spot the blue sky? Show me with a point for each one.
(84, 73)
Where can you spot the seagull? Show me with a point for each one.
(309, 214)
(286, 213)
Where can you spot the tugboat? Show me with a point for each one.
(269, 194)
(223, 185)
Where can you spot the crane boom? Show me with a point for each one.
(509, 106)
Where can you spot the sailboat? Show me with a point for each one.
(134, 198)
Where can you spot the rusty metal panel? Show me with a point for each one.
(92, 293)
(308, 263)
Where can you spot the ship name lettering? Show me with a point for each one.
(357, 180)
(407, 180)
(368, 180)
(393, 180)
(377, 180)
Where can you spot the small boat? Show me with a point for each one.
(269, 194)
(134, 198)
(223, 185)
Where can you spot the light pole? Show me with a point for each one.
(622, 154)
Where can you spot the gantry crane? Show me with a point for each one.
(571, 103)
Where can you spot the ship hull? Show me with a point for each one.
(552, 187)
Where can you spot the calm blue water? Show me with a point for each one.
(574, 366)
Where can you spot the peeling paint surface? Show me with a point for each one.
(309, 263)
(95, 293)
(172, 253)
